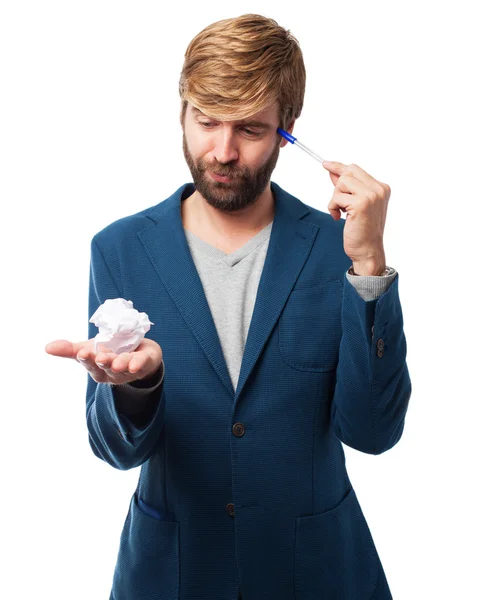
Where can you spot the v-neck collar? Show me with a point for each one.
(231, 258)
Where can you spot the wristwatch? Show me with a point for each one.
(387, 271)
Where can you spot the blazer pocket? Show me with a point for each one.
(148, 558)
(153, 512)
(335, 556)
(310, 327)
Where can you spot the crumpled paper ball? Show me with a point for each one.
(121, 327)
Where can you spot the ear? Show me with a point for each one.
(289, 129)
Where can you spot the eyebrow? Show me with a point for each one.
(259, 124)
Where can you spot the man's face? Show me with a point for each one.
(245, 151)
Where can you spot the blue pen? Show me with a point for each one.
(293, 140)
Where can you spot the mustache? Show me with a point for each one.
(224, 173)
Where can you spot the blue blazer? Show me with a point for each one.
(248, 489)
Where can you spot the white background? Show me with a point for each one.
(90, 133)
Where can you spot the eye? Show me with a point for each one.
(250, 132)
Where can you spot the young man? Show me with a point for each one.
(282, 336)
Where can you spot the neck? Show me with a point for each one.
(233, 225)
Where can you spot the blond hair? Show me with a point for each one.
(237, 67)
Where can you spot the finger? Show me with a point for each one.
(334, 166)
(348, 184)
(356, 171)
(335, 213)
(104, 359)
(93, 362)
(340, 202)
(141, 363)
(87, 359)
(138, 363)
(118, 371)
(120, 364)
(64, 348)
(367, 179)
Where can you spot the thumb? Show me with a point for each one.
(64, 348)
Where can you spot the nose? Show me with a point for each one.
(226, 147)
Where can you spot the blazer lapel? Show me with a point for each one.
(289, 246)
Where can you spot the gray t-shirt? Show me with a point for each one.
(230, 282)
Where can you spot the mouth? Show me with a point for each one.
(222, 178)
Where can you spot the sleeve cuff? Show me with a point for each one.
(370, 287)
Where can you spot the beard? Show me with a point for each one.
(242, 191)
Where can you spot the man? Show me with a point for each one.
(282, 336)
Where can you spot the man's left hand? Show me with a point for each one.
(365, 200)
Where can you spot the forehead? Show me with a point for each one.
(265, 117)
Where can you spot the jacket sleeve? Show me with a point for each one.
(124, 421)
(373, 386)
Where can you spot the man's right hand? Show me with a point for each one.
(114, 368)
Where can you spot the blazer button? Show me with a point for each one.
(380, 347)
(230, 509)
(238, 429)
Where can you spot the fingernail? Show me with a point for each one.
(101, 364)
(82, 359)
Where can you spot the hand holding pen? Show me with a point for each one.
(365, 200)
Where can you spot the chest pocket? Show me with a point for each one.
(310, 327)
